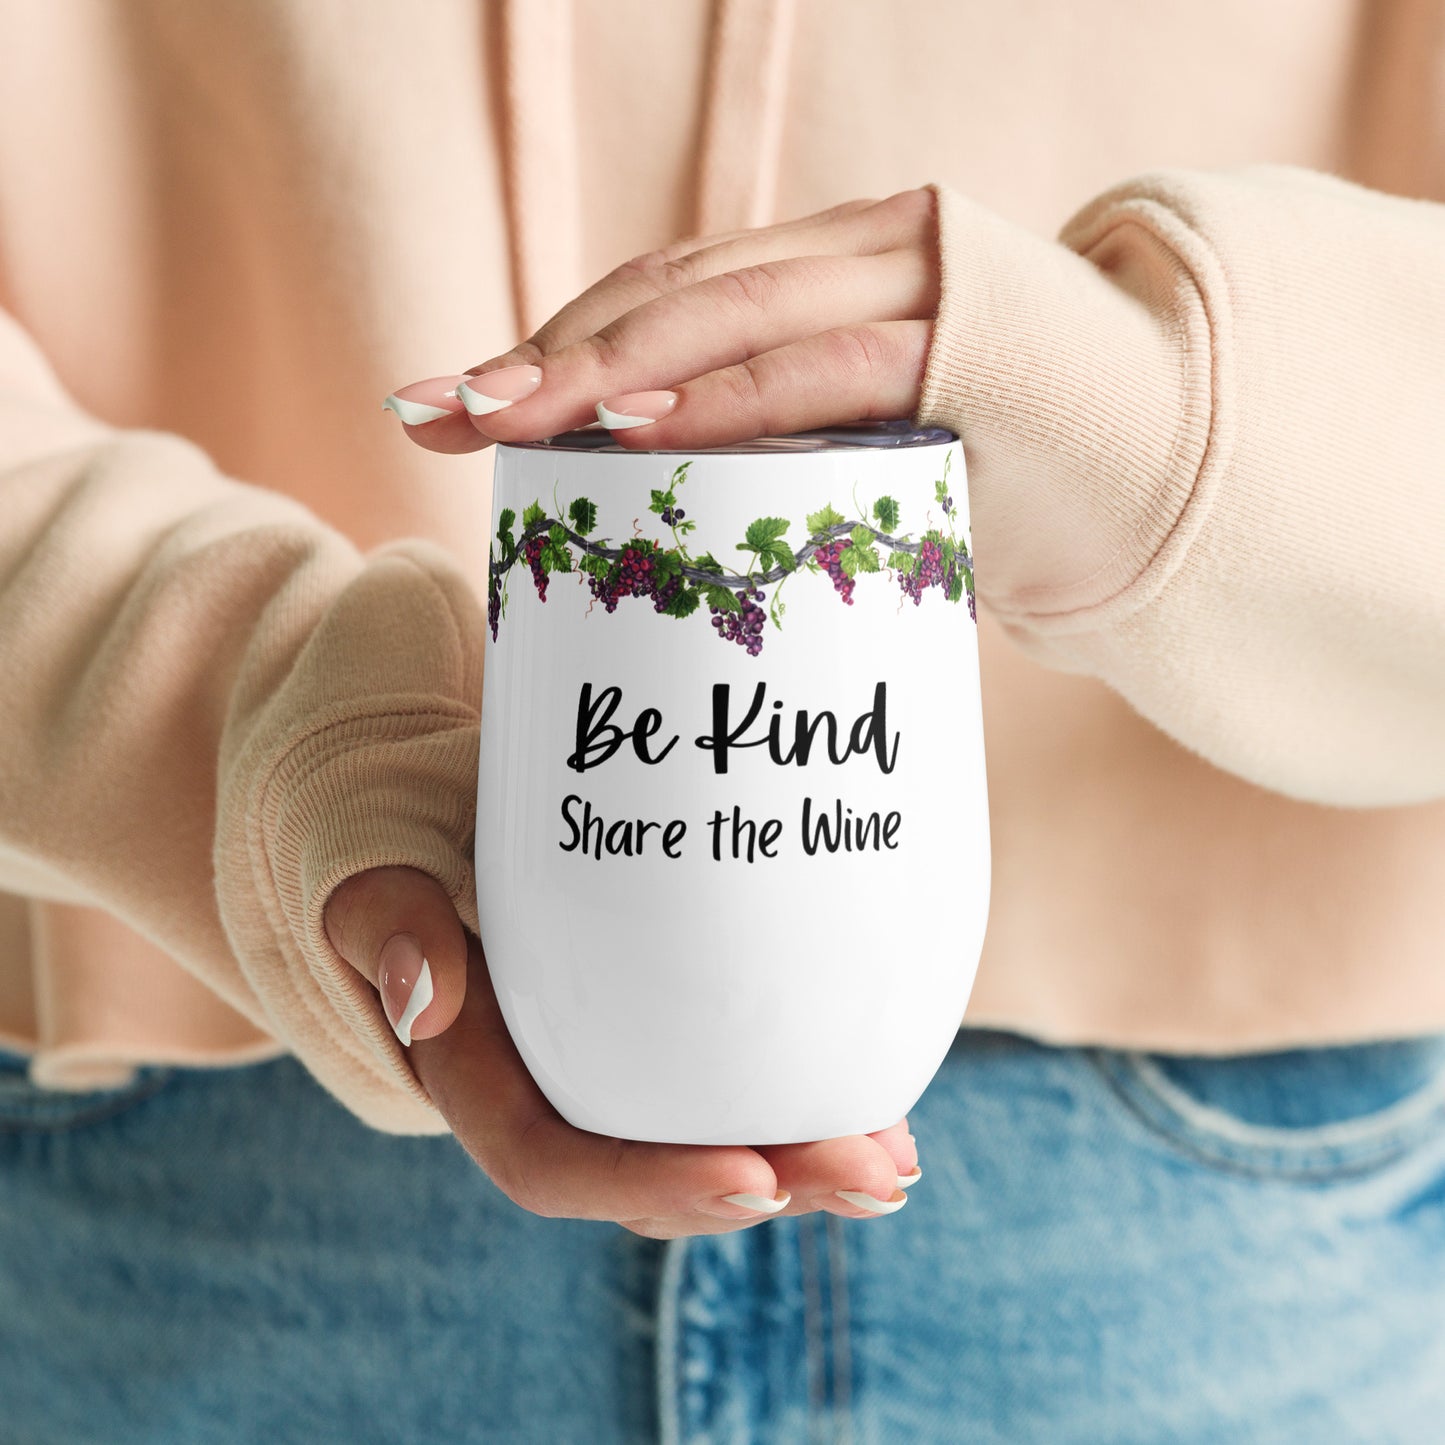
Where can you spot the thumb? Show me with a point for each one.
(398, 928)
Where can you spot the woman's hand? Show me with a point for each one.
(709, 341)
(716, 340)
(385, 922)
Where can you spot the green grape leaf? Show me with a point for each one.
(782, 555)
(848, 561)
(940, 491)
(557, 533)
(665, 565)
(583, 514)
(684, 604)
(720, 598)
(506, 521)
(533, 515)
(885, 509)
(903, 562)
(868, 559)
(955, 589)
(661, 501)
(708, 563)
(762, 533)
(819, 522)
(508, 541)
(556, 557)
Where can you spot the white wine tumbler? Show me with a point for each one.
(732, 821)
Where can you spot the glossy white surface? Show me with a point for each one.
(700, 1001)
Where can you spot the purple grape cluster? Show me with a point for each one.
(948, 586)
(744, 627)
(830, 558)
(671, 516)
(532, 552)
(629, 576)
(662, 596)
(947, 506)
(928, 572)
(494, 603)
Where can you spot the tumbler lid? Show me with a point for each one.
(847, 436)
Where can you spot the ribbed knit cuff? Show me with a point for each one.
(393, 789)
(363, 756)
(1078, 377)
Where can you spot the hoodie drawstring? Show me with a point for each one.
(749, 51)
(747, 81)
(540, 166)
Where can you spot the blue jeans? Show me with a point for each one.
(1104, 1247)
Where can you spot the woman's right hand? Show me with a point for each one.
(386, 921)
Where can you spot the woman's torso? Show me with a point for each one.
(260, 220)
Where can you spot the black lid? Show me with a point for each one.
(847, 436)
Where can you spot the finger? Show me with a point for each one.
(855, 228)
(687, 245)
(477, 1079)
(716, 323)
(898, 1142)
(398, 928)
(681, 1226)
(872, 372)
(433, 416)
(835, 1174)
(902, 1148)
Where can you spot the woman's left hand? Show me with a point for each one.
(716, 340)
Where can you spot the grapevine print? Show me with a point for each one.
(739, 602)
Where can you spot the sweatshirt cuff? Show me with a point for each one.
(365, 757)
(407, 778)
(1077, 375)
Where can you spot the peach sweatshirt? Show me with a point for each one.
(1205, 422)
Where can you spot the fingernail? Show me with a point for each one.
(748, 1206)
(635, 408)
(904, 1180)
(872, 1205)
(406, 983)
(482, 395)
(422, 401)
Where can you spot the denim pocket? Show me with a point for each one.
(26, 1107)
(1304, 1114)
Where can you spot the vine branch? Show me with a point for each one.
(542, 528)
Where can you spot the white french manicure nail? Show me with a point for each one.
(756, 1201)
(904, 1180)
(615, 421)
(413, 413)
(478, 404)
(493, 390)
(868, 1202)
(421, 996)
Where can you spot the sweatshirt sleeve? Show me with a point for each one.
(215, 709)
(1205, 432)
